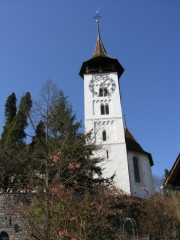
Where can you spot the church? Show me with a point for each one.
(123, 155)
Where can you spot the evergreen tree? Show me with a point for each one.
(10, 108)
(65, 155)
(39, 139)
(62, 121)
(10, 113)
(14, 158)
(61, 157)
(15, 133)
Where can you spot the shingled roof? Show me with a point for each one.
(133, 145)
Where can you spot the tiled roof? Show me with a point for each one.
(133, 145)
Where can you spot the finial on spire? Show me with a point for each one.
(97, 17)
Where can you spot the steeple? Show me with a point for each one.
(99, 48)
(103, 117)
(100, 62)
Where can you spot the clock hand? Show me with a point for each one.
(104, 82)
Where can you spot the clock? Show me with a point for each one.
(102, 85)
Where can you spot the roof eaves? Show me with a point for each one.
(173, 170)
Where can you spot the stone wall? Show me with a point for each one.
(12, 208)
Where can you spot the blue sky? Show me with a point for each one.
(42, 39)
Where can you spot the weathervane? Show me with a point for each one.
(97, 17)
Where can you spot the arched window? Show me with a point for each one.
(102, 109)
(136, 169)
(103, 92)
(107, 109)
(104, 135)
(4, 236)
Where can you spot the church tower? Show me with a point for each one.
(103, 115)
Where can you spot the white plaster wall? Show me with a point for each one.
(113, 124)
(144, 189)
(91, 100)
(117, 164)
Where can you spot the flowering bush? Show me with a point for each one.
(73, 166)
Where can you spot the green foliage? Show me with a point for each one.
(70, 197)
(160, 218)
(58, 153)
(62, 153)
(13, 154)
(14, 166)
(62, 110)
(10, 113)
(166, 173)
(101, 215)
(14, 130)
(40, 138)
(63, 167)
(10, 108)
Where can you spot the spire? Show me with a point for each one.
(99, 50)
(100, 61)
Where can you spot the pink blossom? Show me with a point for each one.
(63, 233)
(77, 165)
(57, 190)
(73, 166)
(55, 157)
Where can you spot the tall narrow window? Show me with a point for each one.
(103, 92)
(100, 92)
(136, 169)
(106, 109)
(102, 109)
(107, 154)
(104, 135)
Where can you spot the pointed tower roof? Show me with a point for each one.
(99, 48)
(100, 61)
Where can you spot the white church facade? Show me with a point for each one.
(122, 154)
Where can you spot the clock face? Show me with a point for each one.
(102, 85)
